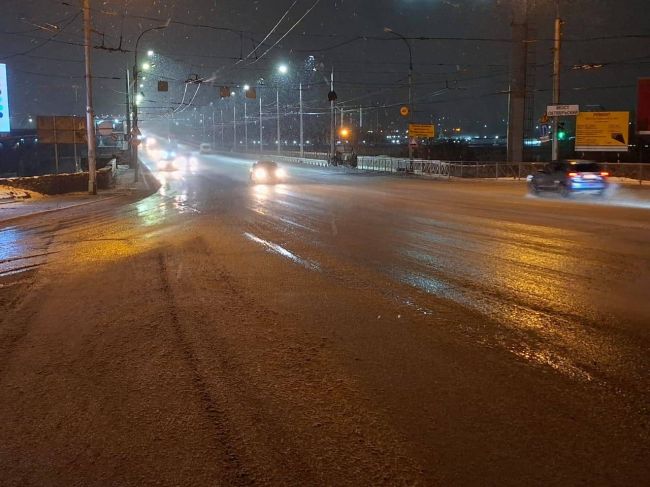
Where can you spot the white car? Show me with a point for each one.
(205, 148)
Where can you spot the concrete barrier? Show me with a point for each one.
(52, 184)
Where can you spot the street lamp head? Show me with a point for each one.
(150, 53)
(146, 66)
(283, 69)
(247, 87)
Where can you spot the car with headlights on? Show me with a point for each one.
(570, 177)
(267, 172)
(170, 161)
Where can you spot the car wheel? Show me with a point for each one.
(565, 191)
(532, 188)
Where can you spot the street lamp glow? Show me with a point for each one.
(247, 87)
(146, 66)
(150, 53)
(138, 99)
(283, 69)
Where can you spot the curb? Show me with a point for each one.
(53, 210)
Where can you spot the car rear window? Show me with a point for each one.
(586, 167)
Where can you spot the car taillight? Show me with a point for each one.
(604, 174)
(573, 174)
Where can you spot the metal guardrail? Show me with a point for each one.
(456, 169)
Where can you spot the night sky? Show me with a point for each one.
(461, 70)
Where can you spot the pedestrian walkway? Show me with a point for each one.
(18, 203)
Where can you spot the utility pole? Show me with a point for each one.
(90, 112)
(388, 30)
(277, 108)
(557, 66)
(332, 121)
(222, 129)
(302, 127)
(517, 98)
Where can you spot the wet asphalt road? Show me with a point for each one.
(503, 338)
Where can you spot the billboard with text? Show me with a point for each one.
(602, 131)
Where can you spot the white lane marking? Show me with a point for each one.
(278, 249)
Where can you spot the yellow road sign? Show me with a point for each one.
(419, 130)
(602, 131)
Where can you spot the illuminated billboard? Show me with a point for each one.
(5, 126)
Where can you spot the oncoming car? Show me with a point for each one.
(569, 177)
(170, 161)
(267, 172)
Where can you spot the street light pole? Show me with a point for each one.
(557, 66)
(90, 112)
(332, 121)
(128, 103)
(234, 125)
(136, 75)
(277, 108)
(261, 127)
(245, 127)
(410, 78)
(302, 127)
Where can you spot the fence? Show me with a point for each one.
(454, 169)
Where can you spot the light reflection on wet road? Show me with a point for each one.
(562, 284)
(561, 281)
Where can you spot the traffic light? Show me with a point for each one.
(561, 131)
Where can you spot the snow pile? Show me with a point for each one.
(8, 193)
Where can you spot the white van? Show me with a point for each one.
(205, 148)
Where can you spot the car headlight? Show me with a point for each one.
(260, 173)
(281, 173)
